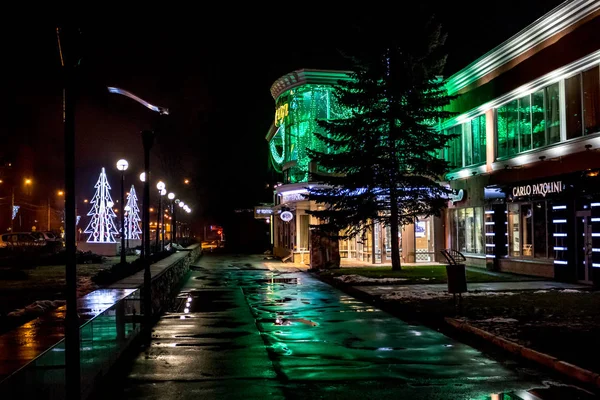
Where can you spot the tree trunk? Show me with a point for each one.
(394, 232)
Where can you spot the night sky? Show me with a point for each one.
(213, 73)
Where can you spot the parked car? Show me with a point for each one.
(50, 240)
(20, 240)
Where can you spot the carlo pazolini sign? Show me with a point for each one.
(537, 189)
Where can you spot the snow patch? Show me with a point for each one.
(363, 279)
(37, 307)
(499, 320)
(570, 291)
(541, 291)
(428, 295)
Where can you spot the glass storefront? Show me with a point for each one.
(466, 230)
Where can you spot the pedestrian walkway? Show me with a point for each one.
(248, 328)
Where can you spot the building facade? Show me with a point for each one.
(301, 99)
(527, 156)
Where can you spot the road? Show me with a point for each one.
(245, 328)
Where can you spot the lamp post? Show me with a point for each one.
(122, 166)
(160, 186)
(127, 209)
(174, 216)
(181, 204)
(162, 223)
(143, 252)
(171, 197)
(148, 141)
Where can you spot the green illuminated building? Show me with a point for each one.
(301, 98)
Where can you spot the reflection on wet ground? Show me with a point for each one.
(238, 330)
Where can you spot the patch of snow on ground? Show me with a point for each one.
(541, 291)
(499, 320)
(570, 291)
(37, 307)
(427, 295)
(363, 279)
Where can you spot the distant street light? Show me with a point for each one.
(122, 166)
(143, 177)
(60, 193)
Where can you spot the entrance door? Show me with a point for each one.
(424, 240)
(583, 237)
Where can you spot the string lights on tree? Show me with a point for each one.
(102, 227)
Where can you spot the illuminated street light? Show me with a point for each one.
(28, 181)
(143, 177)
(85, 200)
(181, 204)
(160, 185)
(60, 193)
(122, 165)
(171, 196)
(186, 181)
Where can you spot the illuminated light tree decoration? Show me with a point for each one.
(102, 227)
(132, 218)
(15, 211)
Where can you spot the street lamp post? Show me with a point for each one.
(161, 187)
(148, 141)
(144, 217)
(122, 166)
(171, 197)
(177, 201)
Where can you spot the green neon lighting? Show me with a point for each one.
(307, 104)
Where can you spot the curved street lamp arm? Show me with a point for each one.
(160, 110)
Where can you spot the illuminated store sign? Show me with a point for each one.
(286, 216)
(537, 189)
(456, 197)
(262, 211)
(281, 113)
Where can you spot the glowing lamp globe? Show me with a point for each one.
(122, 165)
(163, 192)
(181, 204)
(160, 185)
(171, 196)
(177, 201)
(143, 177)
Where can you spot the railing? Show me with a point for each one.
(103, 338)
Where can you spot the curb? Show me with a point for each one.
(563, 367)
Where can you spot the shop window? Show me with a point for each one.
(528, 229)
(525, 112)
(591, 100)
(573, 106)
(479, 139)
(453, 149)
(530, 122)
(514, 231)
(303, 239)
(467, 230)
(552, 106)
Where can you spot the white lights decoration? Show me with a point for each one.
(15, 210)
(132, 218)
(101, 227)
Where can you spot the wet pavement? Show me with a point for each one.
(245, 328)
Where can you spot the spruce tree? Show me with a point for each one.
(383, 163)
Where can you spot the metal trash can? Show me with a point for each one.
(457, 278)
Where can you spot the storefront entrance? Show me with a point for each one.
(424, 250)
(583, 239)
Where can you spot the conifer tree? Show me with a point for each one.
(383, 163)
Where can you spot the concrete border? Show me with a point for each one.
(563, 367)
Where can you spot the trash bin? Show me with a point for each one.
(457, 278)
